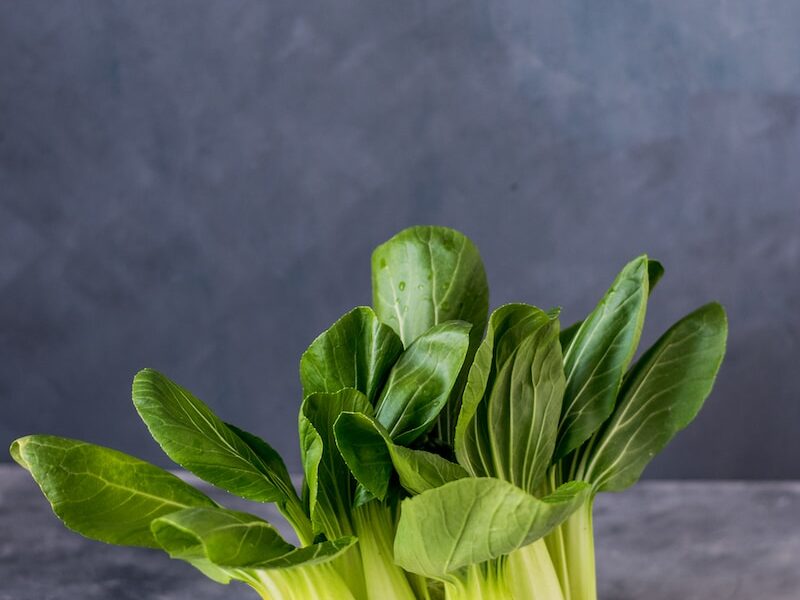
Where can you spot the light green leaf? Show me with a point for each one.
(476, 519)
(195, 438)
(512, 402)
(420, 382)
(101, 493)
(331, 489)
(372, 457)
(232, 539)
(428, 275)
(420, 471)
(355, 352)
(599, 354)
(212, 571)
(661, 395)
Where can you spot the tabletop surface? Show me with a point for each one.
(661, 540)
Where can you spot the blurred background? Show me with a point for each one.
(197, 187)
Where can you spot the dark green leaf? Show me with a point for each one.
(231, 539)
(655, 271)
(599, 354)
(101, 493)
(268, 455)
(195, 438)
(476, 519)
(330, 487)
(427, 275)
(424, 276)
(512, 402)
(364, 446)
(355, 352)
(420, 382)
(567, 335)
(372, 456)
(661, 396)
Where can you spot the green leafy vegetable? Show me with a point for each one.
(439, 464)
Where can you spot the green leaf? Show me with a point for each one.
(232, 539)
(212, 571)
(364, 446)
(420, 471)
(101, 493)
(424, 276)
(355, 352)
(268, 455)
(372, 457)
(195, 438)
(512, 402)
(598, 355)
(661, 395)
(476, 519)
(420, 382)
(655, 271)
(567, 335)
(331, 489)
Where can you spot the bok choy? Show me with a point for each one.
(447, 453)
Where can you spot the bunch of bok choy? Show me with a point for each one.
(447, 453)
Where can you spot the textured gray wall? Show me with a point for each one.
(196, 187)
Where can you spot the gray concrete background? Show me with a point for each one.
(197, 186)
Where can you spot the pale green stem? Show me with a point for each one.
(532, 575)
(486, 581)
(351, 570)
(424, 588)
(555, 540)
(585, 453)
(374, 525)
(578, 545)
(296, 515)
(557, 551)
(316, 582)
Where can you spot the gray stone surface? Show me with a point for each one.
(658, 541)
(667, 540)
(196, 186)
